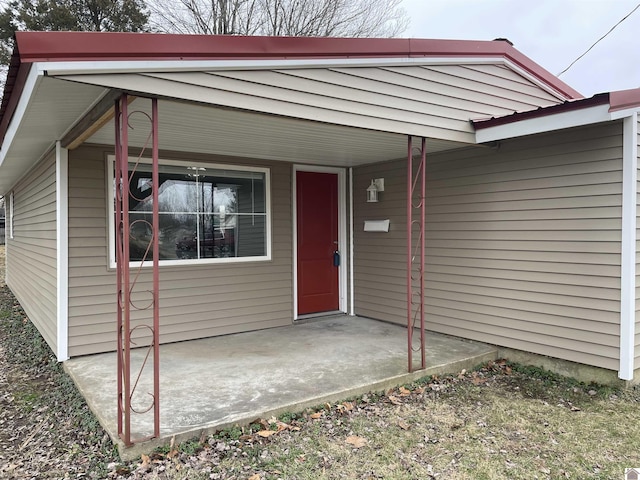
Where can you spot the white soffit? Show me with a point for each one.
(203, 129)
(546, 123)
(40, 120)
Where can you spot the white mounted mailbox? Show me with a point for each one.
(376, 225)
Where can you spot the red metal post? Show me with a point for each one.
(122, 267)
(409, 253)
(423, 207)
(156, 271)
(118, 211)
(127, 282)
(416, 248)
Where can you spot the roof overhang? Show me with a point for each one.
(116, 47)
(600, 108)
(52, 85)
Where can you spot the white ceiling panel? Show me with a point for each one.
(52, 109)
(205, 129)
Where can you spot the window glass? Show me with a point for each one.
(205, 213)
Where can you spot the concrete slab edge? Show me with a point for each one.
(134, 452)
(90, 403)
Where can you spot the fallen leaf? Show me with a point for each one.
(283, 426)
(574, 408)
(348, 406)
(356, 441)
(266, 433)
(419, 390)
(404, 392)
(394, 400)
(145, 460)
(316, 415)
(172, 450)
(255, 476)
(404, 425)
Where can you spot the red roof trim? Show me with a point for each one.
(618, 100)
(105, 46)
(624, 99)
(568, 106)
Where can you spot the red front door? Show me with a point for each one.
(317, 232)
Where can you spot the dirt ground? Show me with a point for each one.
(46, 429)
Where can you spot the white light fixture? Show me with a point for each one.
(377, 185)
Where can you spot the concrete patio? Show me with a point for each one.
(209, 384)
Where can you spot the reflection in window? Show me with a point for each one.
(205, 212)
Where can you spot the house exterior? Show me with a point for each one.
(266, 149)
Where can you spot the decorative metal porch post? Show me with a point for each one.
(416, 206)
(131, 330)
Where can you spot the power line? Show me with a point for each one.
(600, 39)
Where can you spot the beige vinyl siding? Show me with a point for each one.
(436, 101)
(31, 254)
(195, 301)
(523, 244)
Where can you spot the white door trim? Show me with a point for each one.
(342, 232)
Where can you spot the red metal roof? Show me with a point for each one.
(107, 46)
(618, 100)
(600, 99)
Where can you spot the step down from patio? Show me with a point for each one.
(213, 383)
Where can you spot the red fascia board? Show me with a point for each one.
(106, 46)
(599, 99)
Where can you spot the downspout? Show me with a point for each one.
(62, 252)
(628, 256)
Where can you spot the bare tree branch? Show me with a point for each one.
(338, 18)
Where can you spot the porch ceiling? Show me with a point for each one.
(39, 121)
(198, 128)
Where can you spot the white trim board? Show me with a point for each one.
(62, 252)
(628, 257)
(342, 232)
(60, 69)
(31, 84)
(546, 123)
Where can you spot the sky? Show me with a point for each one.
(552, 33)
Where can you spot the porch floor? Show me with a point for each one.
(213, 383)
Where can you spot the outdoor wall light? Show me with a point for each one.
(377, 185)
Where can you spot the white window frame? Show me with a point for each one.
(195, 261)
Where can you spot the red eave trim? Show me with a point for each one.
(568, 106)
(105, 46)
(622, 99)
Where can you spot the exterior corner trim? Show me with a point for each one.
(62, 252)
(628, 257)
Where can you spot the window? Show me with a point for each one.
(208, 213)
